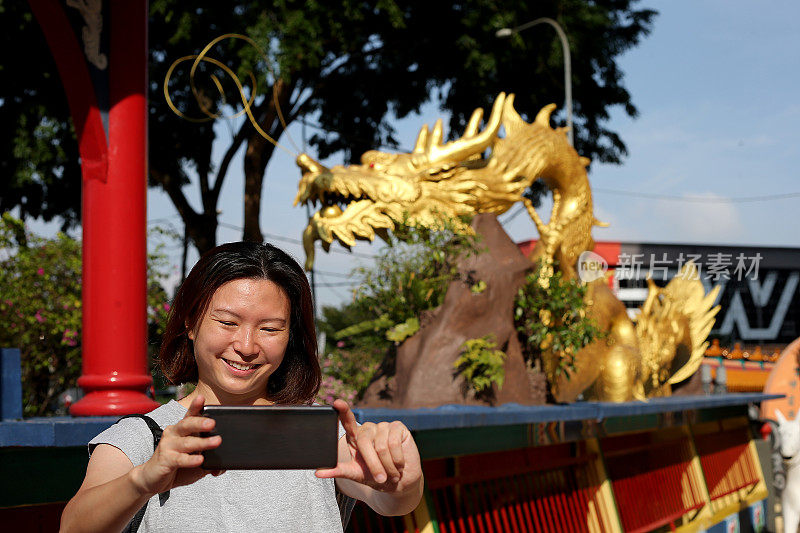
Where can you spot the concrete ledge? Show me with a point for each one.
(68, 431)
(464, 416)
(53, 431)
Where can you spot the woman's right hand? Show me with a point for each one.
(177, 459)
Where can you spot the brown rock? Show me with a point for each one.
(424, 372)
(690, 387)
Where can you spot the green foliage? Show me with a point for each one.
(402, 331)
(352, 66)
(379, 324)
(553, 318)
(410, 276)
(481, 364)
(39, 162)
(478, 287)
(40, 309)
(412, 273)
(348, 368)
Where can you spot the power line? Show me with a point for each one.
(334, 274)
(699, 199)
(283, 238)
(338, 284)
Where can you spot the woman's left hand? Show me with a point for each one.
(383, 456)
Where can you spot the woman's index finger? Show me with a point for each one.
(347, 417)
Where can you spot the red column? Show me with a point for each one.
(115, 373)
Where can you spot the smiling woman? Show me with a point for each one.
(241, 328)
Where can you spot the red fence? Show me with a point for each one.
(652, 480)
(534, 489)
(727, 462)
(655, 484)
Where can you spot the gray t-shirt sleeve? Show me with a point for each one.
(131, 435)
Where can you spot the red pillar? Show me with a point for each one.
(115, 373)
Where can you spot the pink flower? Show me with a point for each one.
(70, 337)
(38, 316)
(166, 307)
(340, 344)
(40, 271)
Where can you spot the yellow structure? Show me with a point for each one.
(450, 180)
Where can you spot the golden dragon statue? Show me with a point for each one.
(483, 172)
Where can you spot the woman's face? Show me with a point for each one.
(240, 340)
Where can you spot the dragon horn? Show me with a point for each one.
(474, 122)
(543, 116)
(463, 148)
(422, 140)
(437, 134)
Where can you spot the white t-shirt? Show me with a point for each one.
(238, 500)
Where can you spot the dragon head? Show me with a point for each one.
(422, 187)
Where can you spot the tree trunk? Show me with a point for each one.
(203, 232)
(258, 153)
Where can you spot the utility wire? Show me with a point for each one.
(338, 284)
(283, 238)
(699, 199)
(334, 274)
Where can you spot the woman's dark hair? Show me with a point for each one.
(297, 379)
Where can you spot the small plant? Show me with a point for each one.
(481, 364)
(403, 330)
(478, 287)
(550, 313)
(410, 276)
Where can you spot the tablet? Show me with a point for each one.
(270, 437)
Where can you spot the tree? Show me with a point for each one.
(39, 169)
(356, 65)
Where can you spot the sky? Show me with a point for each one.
(715, 84)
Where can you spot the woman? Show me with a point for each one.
(241, 327)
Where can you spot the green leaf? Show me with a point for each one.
(401, 331)
(478, 287)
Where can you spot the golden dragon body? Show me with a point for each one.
(452, 179)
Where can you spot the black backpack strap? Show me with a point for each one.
(346, 505)
(156, 430)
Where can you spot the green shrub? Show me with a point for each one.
(481, 364)
(40, 310)
(551, 316)
(409, 276)
(412, 273)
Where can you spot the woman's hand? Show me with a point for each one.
(383, 456)
(177, 459)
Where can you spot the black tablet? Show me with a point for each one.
(270, 437)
